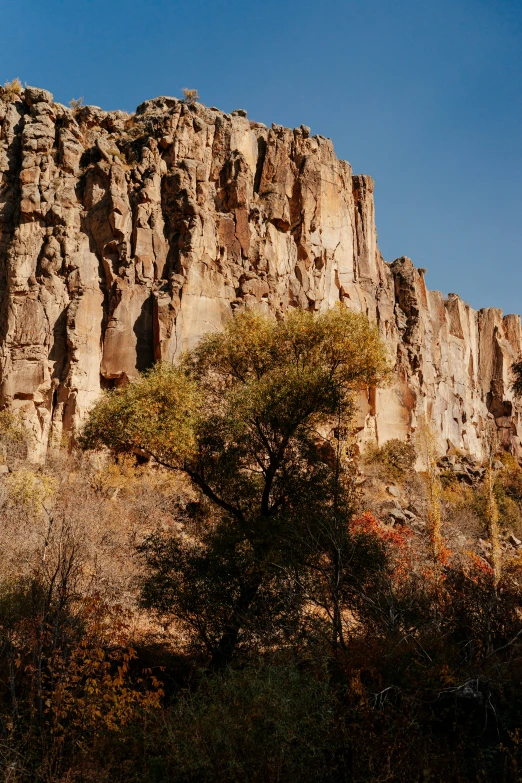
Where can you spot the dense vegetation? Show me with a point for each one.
(201, 595)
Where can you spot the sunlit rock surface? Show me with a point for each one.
(125, 238)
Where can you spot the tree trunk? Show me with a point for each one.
(226, 647)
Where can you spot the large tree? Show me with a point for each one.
(252, 417)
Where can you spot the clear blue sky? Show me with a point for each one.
(424, 96)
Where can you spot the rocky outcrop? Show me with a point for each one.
(125, 238)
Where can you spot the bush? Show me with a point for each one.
(510, 477)
(467, 507)
(509, 510)
(14, 438)
(67, 678)
(11, 91)
(191, 96)
(264, 723)
(76, 104)
(395, 457)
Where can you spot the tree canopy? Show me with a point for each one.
(251, 416)
(243, 397)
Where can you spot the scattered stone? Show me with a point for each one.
(388, 505)
(514, 540)
(4, 470)
(397, 515)
(393, 490)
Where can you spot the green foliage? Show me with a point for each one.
(508, 493)
(17, 602)
(264, 724)
(241, 418)
(246, 402)
(396, 457)
(339, 344)
(253, 387)
(217, 590)
(156, 414)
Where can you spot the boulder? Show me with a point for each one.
(34, 95)
(397, 517)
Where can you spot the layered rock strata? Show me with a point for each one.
(125, 238)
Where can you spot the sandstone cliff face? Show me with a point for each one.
(124, 239)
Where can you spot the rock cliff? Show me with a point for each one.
(124, 238)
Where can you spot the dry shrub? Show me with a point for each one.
(109, 508)
(427, 447)
(464, 510)
(508, 488)
(76, 104)
(11, 90)
(492, 513)
(191, 96)
(468, 509)
(67, 594)
(66, 661)
(395, 459)
(14, 439)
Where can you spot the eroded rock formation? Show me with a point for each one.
(125, 238)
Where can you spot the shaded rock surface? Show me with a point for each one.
(125, 238)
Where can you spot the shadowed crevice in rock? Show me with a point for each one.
(261, 153)
(143, 329)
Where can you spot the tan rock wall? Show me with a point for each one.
(124, 239)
